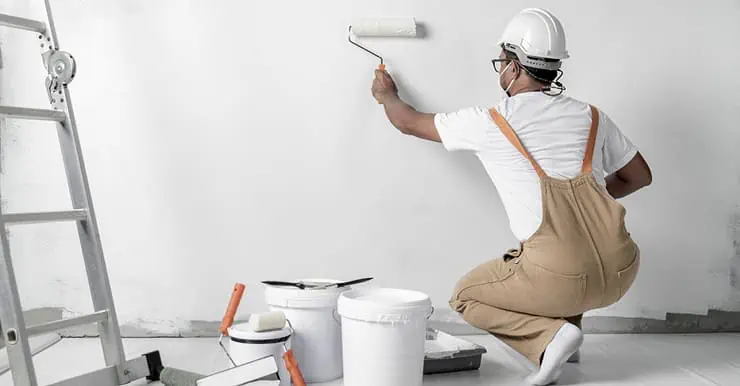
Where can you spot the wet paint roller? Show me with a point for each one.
(382, 27)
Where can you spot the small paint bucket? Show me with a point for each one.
(317, 341)
(246, 345)
(383, 333)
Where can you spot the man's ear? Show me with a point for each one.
(517, 70)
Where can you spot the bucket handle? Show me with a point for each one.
(335, 315)
(290, 325)
(431, 313)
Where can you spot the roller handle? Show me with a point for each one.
(381, 67)
(292, 366)
(236, 298)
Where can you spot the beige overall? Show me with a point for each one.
(580, 258)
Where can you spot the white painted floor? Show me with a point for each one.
(660, 360)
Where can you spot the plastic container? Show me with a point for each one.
(445, 353)
(383, 333)
(317, 340)
(246, 345)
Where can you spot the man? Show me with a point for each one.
(547, 155)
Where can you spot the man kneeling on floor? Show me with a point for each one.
(558, 165)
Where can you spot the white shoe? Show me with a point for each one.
(565, 343)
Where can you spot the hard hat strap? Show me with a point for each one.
(550, 85)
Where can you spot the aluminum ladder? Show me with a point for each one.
(118, 371)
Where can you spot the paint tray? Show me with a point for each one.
(444, 353)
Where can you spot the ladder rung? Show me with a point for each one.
(67, 323)
(44, 217)
(33, 114)
(21, 23)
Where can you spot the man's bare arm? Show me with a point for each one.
(402, 115)
(629, 179)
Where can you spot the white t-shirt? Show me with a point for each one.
(553, 129)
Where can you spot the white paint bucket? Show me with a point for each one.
(317, 340)
(384, 332)
(245, 345)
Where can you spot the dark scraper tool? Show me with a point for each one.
(310, 285)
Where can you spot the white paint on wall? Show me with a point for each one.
(234, 141)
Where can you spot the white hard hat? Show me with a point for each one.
(537, 38)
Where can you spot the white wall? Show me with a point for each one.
(237, 141)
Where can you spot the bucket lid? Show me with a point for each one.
(243, 332)
(384, 305)
(291, 297)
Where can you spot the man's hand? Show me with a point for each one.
(404, 117)
(384, 87)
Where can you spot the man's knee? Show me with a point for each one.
(476, 285)
(458, 300)
(457, 304)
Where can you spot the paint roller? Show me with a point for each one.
(276, 320)
(169, 376)
(261, 322)
(176, 377)
(383, 27)
(228, 320)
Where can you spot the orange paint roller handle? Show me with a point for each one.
(236, 298)
(381, 67)
(292, 366)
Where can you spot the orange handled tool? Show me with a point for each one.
(228, 320)
(388, 27)
(381, 67)
(292, 366)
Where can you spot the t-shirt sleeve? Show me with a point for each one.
(618, 149)
(465, 129)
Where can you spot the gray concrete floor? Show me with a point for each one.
(676, 360)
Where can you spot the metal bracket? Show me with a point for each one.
(46, 47)
(55, 93)
(61, 68)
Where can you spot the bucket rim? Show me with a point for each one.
(352, 306)
(242, 332)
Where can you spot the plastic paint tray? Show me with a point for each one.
(444, 353)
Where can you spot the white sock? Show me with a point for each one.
(566, 342)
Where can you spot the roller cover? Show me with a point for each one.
(402, 27)
(267, 321)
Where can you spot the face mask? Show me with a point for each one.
(506, 90)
